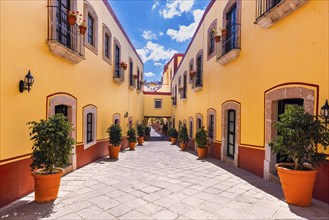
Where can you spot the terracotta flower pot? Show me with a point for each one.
(202, 152)
(173, 140)
(297, 185)
(132, 145)
(217, 38)
(114, 151)
(82, 29)
(224, 32)
(71, 19)
(46, 186)
(140, 140)
(183, 146)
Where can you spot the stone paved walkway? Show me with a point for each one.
(158, 181)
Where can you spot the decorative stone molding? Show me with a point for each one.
(106, 31)
(278, 12)
(117, 117)
(71, 103)
(90, 11)
(271, 115)
(228, 57)
(62, 51)
(86, 110)
(225, 107)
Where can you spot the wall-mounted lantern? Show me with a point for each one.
(27, 83)
(126, 115)
(325, 112)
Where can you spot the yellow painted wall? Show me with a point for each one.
(150, 111)
(23, 48)
(293, 50)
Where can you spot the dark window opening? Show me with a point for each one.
(211, 126)
(61, 109)
(90, 30)
(191, 129)
(117, 61)
(199, 123)
(107, 46)
(62, 29)
(231, 133)
(211, 43)
(89, 127)
(157, 104)
(198, 78)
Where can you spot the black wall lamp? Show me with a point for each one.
(126, 115)
(325, 112)
(27, 83)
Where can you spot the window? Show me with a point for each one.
(211, 39)
(191, 69)
(211, 123)
(199, 123)
(107, 38)
(131, 73)
(183, 95)
(199, 66)
(116, 119)
(173, 123)
(117, 61)
(138, 80)
(91, 37)
(231, 133)
(191, 128)
(90, 30)
(89, 127)
(158, 103)
(170, 74)
(61, 109)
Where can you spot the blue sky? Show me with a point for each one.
(159, 29)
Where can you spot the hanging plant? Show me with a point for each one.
(72, 17)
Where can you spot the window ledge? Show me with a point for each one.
(197, 88)
(120, 78)
(132, 87)
(229, 56)
(281, 10)
(184, 99)
(60, 50)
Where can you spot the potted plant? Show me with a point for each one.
(192, 74)
(52, 145)
(83, 27)
(131, 133)
(173, 135)
(115, 135)
(141, 133)
(169, 132)
(165, 129)
(135, 76)
(123, 65)
(201, 141)
(217, 36)
(72, 17)
(147, 133)
(183, 137)
(298, 135)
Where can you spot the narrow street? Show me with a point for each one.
(159, 181)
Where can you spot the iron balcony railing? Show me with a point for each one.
(232, 40)
(59, 30)
(263, 6)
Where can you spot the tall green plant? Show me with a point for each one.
(52, 143)
(173, 133)
(147, 131)
(165, 128)
(131, 133)
(140, 130)
(299, 134)
(201, 138)
(183, 134)
(115, 135)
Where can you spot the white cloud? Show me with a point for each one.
(158, 64)
(149, 35)
(149, 74)
(155, 52)
(176, 8)
(186, 32)
(156, 3)
(160, 33)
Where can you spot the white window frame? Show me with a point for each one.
(86, 110)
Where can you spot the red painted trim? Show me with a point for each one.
(211, 3)
(157, 93)
(252, 160)
(252, 145)
(15, 158)
(95, 152)
(321, 189)
(107, 4)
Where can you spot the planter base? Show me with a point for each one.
(183, 146)
(140, 140)
(132, 145)
(173, 141)
(297, 185)
(114, 151)
(46, 186)
(202, 152)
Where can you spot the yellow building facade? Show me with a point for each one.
(81, 76)
(236, 87)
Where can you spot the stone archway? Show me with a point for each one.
(271, 114)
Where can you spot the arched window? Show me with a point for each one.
(107, 39)
(198, 81)
(191, 128)
(117, 58)
(89, 125)
(91, 36)
(116, 119)
(211, 115)
(211, 39)
(199, 121)
(131, 74)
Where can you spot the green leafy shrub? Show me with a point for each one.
(131, 133)
(147, 131)
(140, 130)
(165, 128)
(52, 143)
(299, 134)
(201, 138)
(115, 135)
(183, 134)
(173, 133)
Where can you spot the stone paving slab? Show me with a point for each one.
(158, 181)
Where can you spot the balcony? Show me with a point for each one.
(64, 40)
(228, 49)
(119, 75)
(268, 12)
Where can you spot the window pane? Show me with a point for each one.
(90, 30)
(231, 138)
(231, 115)
(231, 150)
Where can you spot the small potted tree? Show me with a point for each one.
(298, 136)
(183, 137)
(131, 133)
(115, 135)
(169, 132)
(147, 133)
(173, 135)
(52, 145)
(201, 141)
(141, 133)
